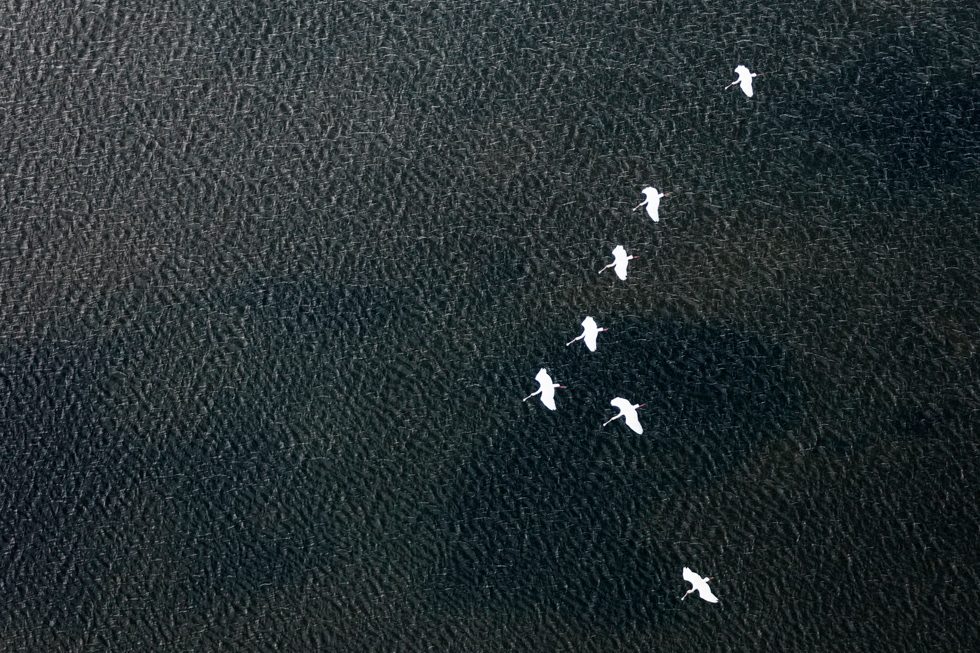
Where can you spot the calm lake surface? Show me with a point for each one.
(275, 277)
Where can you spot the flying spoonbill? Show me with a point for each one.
(699, 585)
(627, 410)
(652, 202)
(546, 388)
(590, 332)
(744, 80)
(620, 261)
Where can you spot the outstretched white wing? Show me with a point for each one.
(590, 339)
(621, 260)
(706, 594)
(621, 268)
(633, 421)
(653, 205)
(548, 396)
(547, 388)
(620, 403)
(699, 584)
(589, 331)
(746, 86)
(690, 576)
(543, 378)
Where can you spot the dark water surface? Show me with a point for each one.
(274, 280)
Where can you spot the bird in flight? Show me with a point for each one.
(652, 202)
(627, 410)
(744, 80)
(620, 261)
(590, 332)
(699, 585)
(546, 388)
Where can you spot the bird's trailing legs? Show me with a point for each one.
(694, 589)
(600, 330)
(644, 202)
(534, 394)
(739, 81)
(621, 414)
(612, 265)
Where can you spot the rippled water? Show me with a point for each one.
(274, 280)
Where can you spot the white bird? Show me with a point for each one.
(546, 388)
(744, 80)
(652, 202)
(699, 585)
(620, 261)
(627, 410)
(590, 332)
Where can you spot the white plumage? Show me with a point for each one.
(699, 585)
(620, 262)
(627, 410)
(744, 80)
(546, 388)
(590, 333)
(652, 202)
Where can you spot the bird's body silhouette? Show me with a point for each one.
(744, 80)
(627, 410)
(699, 585)
(652, 202)
(620, 261)
(590, 332)
(546, 388)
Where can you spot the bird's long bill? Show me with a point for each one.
(610, 420)
(732, 84)
(530, 395)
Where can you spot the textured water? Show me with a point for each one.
(274, 279)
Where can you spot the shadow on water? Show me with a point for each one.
(184, 464)
(556, 512)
